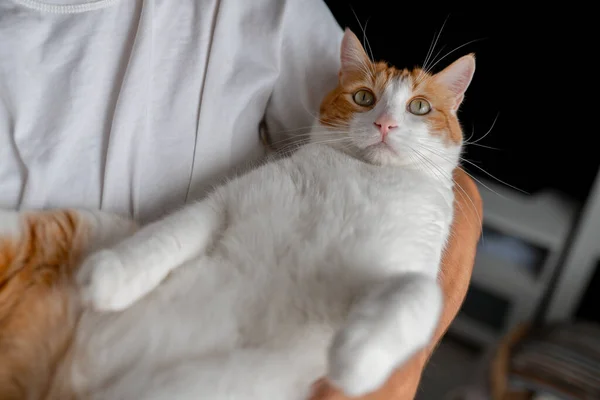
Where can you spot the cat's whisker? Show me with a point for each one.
(435, 141)
(481, 145)
(493, 177)
(292, 130)
(443, 174)
(465, 143)
(367, 40)
(334, 140)
(297, 138)
(461, 189)
(293, 136)
(336, 122)
(425, 163)
(465, 196)
(438, 154)
(432, 47)
(320, 132)
(342, 144)
(471, 135)
(314, 141)
(364, 32)
(367, 68)
(438, 53)
(478, 167)
(489, 130)
(429, 51)
(424, 73)
(429, 69)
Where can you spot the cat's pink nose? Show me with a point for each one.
(385, 124)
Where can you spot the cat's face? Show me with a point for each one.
(388, 116)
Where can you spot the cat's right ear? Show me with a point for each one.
(353, 56)
(457, 77)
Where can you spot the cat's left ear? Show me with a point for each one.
(457, 77)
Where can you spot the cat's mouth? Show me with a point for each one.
(382, 146)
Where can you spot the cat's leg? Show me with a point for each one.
(384, 329)
(113, 279)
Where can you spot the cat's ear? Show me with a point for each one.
(353, 55)
(457, 77)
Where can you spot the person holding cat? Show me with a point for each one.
(137, 107)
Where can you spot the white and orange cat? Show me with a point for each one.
(323, 263)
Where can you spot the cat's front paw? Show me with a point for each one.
(358, 363)
(104, 284)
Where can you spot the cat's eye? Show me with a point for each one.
(419, 106)
(364, 98)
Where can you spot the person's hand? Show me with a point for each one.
(455, 276)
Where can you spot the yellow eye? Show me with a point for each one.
(364, 98)
(419, 106)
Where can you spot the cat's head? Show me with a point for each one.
(389, 116)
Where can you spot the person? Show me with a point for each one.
(139, 106)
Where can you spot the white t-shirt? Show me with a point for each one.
(137, 106)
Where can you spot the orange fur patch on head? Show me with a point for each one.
(338, 106)
(37, 311)
(444, 90)
(442, 120)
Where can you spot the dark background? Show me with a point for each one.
(534, 71)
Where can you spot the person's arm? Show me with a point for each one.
(308, 66)
(455, 276)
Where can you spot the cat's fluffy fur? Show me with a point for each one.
(40, 251)
(322, 263)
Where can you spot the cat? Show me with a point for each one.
(320, 263)
(323, 262)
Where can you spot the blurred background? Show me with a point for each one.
(528, 327)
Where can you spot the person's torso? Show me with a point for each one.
(134, 107)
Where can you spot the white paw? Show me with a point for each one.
(104, 283)
(383, 331)
(359, 363)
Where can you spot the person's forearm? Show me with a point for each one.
(457, 266)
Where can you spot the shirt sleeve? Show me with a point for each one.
(309, 62)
